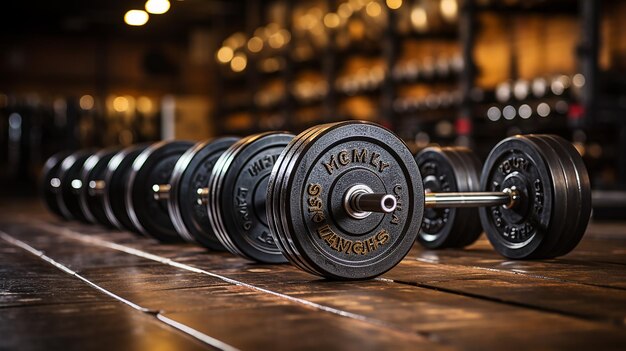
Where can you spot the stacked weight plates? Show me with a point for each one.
(449, 169)
(237, 196)
(552, 215)
(191, 173)
(306, 200)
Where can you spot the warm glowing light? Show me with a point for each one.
(144, 104)
(345, 10)
(120, 104)
(236, 40)
(419, 19)
(225, 54)
(279, 39)
(86, 102)
(239, 62)
(394, 4)
(136, 17)
(373, 9)
(255, 44)
(157, 7)
(332, 20)
(449, 9)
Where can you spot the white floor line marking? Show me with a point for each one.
(181, 327)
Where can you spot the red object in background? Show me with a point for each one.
(463, 126)
(575, 112)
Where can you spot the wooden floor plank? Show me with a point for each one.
(453, 319)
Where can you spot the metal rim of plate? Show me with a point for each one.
(192, 172)
(154, 165)
(448, 169)
(116, 180)
(405, 180)
(237, 196)
(521, 231)
(94, 169)
(49, 172)
(70, 186)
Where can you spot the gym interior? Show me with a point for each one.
(315, 174)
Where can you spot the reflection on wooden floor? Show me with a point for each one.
(70, 284)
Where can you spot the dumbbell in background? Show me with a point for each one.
(346, 200)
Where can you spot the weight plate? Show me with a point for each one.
(153, 166)
(50, 182)
(471, 228)
(67, 197)
(561, 198)
(518, 232)
(190, 173)
(238, 188)
(448, 169)
(330, 162)
(116, 180)
(94, 169)
(580, 202)
(275, 196)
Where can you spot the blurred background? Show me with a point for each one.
(80, 74)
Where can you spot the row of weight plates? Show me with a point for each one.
(305, 200)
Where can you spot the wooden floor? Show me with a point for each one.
(71, 286)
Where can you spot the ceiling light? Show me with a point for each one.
(157, 7)
(136, 17)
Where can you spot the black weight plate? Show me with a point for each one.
(153, 166)
(339, 156)
(470, 229)
(190, 173)
(50, 182)
(67, 197)
(519, 231)
(576, 174)
(116, 179)
(93, 170)
(275, 195)
(441, 172)
(238, 189)
(562, 195)
(284, 195)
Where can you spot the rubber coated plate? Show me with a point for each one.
(50, 182)
(337, 157)
(192, 172)
(444, 170)
(153, 166)
(67, 197)
(238, 188)
(94, 169)
(116, 179)
(518, 232)
(579, 188)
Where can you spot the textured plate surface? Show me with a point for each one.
(331, 161)
(153, 166)
(238, 189)
(192, 172)
(519, 232)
